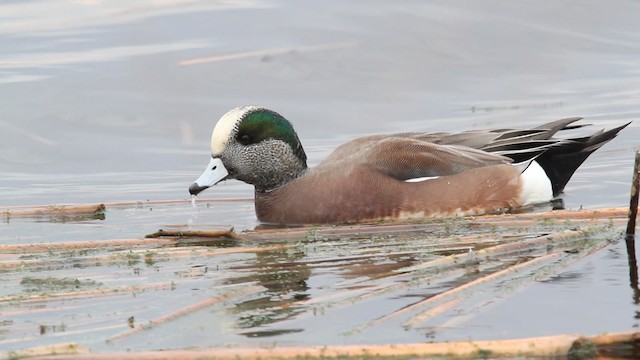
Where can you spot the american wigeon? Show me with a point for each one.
(397, 176)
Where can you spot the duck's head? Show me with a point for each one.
(255, 145)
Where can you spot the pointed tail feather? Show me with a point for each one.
(562, 160)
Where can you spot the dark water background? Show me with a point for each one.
(106, 101)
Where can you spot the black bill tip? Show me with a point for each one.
(196, 189)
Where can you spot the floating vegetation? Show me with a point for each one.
(277, 284)
(50, 284)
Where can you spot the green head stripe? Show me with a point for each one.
(265, 124)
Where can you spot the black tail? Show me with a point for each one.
(561, 160)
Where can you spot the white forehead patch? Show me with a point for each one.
(223, 131)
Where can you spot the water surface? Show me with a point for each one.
(115, 101)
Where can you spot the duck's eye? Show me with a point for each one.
(244, 139)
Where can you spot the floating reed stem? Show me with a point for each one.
(53, 210)
(244, 291)
(81, 245)
(545, 346)
(83, 293)
(195, 233)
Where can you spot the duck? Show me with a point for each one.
(401, 176)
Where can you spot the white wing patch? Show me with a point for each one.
(223, 130)
(536, 185)
(421, 179)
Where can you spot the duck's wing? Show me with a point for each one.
(349, 149)
(406, 158)
(488, 139)
(412, 155)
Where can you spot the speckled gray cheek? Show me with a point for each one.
(266, 165)
(232, 158)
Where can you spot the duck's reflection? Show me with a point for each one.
(285, 277)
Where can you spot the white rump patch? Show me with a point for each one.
(536, 185)
(420, 179)
(225, 126)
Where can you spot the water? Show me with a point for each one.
(99, 105)
(108, 102)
